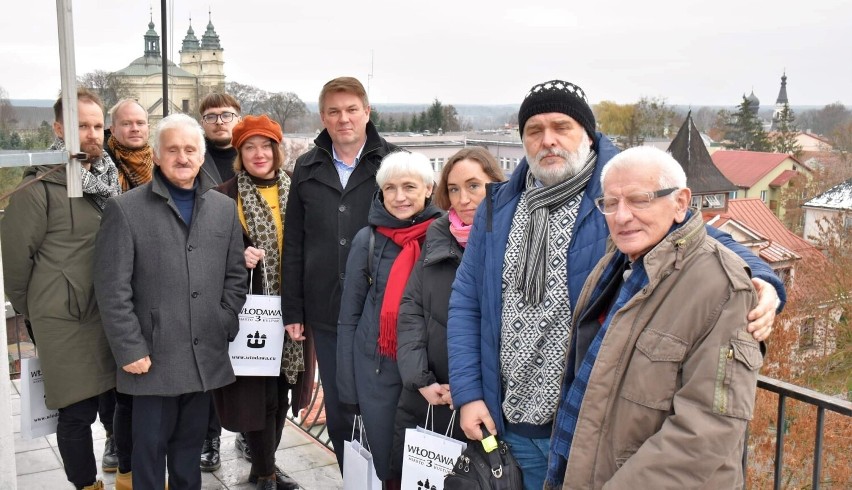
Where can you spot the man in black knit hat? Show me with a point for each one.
(510, 326)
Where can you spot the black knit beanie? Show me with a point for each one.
(557, 96)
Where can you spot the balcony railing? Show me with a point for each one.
(312, 419)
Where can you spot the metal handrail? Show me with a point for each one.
(821, 401)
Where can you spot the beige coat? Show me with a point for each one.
(674, 382)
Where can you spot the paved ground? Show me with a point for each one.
(300, 456)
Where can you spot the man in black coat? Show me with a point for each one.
(330, 196)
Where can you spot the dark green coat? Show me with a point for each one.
(48, 243)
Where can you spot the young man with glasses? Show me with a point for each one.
(220, 112)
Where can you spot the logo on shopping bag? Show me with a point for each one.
(263, 315)
(421, 485)
(256, 340)
(428, 457)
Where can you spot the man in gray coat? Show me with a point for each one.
(170, 293)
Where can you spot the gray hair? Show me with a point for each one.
(405, 163)
(178, 121)
(671, 173)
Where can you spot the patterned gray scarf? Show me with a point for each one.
(263, 234)
(100, 181)
(533, 251)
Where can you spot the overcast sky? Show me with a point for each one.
(467, 51)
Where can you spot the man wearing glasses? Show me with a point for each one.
(660, 358)
(220, 112)
(530, 251)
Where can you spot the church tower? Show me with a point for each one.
(781, 101)
(204, 59)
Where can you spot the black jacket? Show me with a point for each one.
(321, 220)
(422, 334)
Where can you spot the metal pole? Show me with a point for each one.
(779, 441)
(820, 426)
(165, 57)
(68, 71)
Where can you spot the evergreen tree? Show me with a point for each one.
(784, 138)
(745, 132)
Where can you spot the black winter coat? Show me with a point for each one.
(422, 334)
(364, 377)
(321, 220)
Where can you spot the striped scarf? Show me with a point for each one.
(533, 251)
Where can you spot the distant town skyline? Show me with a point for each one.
(474, 52)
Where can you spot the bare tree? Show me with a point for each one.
(252, 99)
(7, 112)
(293, 149)
(284, 107)
(109, 86)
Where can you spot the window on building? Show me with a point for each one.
(713, 201)
(806, 333)
(184, 106)
(732, 195)
(847, 222)
(763, 196)
(696, 202)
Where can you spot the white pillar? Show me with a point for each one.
(8, 470)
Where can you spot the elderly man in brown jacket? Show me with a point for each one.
(661, 373)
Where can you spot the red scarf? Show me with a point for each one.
(409, 239)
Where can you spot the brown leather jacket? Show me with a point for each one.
(673, 386)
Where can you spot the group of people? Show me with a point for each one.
(583, 301)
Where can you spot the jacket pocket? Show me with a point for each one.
(651, 377)
(78, 300)
(736, 377)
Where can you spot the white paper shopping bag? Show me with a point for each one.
(36, 419)
(256, 350)
(427, 457)
(359, 473)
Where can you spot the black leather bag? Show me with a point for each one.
(485, 465)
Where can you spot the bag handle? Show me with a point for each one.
(362, 438)
(452, 422)
(429, 424)
(489, 444)
(266, 289)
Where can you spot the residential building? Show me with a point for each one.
(766, 176)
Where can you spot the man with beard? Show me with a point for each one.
(220, 112)
(48, 263)
(128, 145)
(534, 242)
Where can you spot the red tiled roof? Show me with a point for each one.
(754, 214)
(745, 168)
(783, 178)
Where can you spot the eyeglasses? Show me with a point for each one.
(634, 201)
(226, 117)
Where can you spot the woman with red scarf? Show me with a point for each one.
(377, 270)
(422, 337)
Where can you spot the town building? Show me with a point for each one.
(761, 175)
(201, 71)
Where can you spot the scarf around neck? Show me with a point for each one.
(409, 239)
(135, 166)
(458, 229)
(533, 250)
(260, 225)
(100, 182)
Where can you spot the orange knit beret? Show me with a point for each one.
(255, 126)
